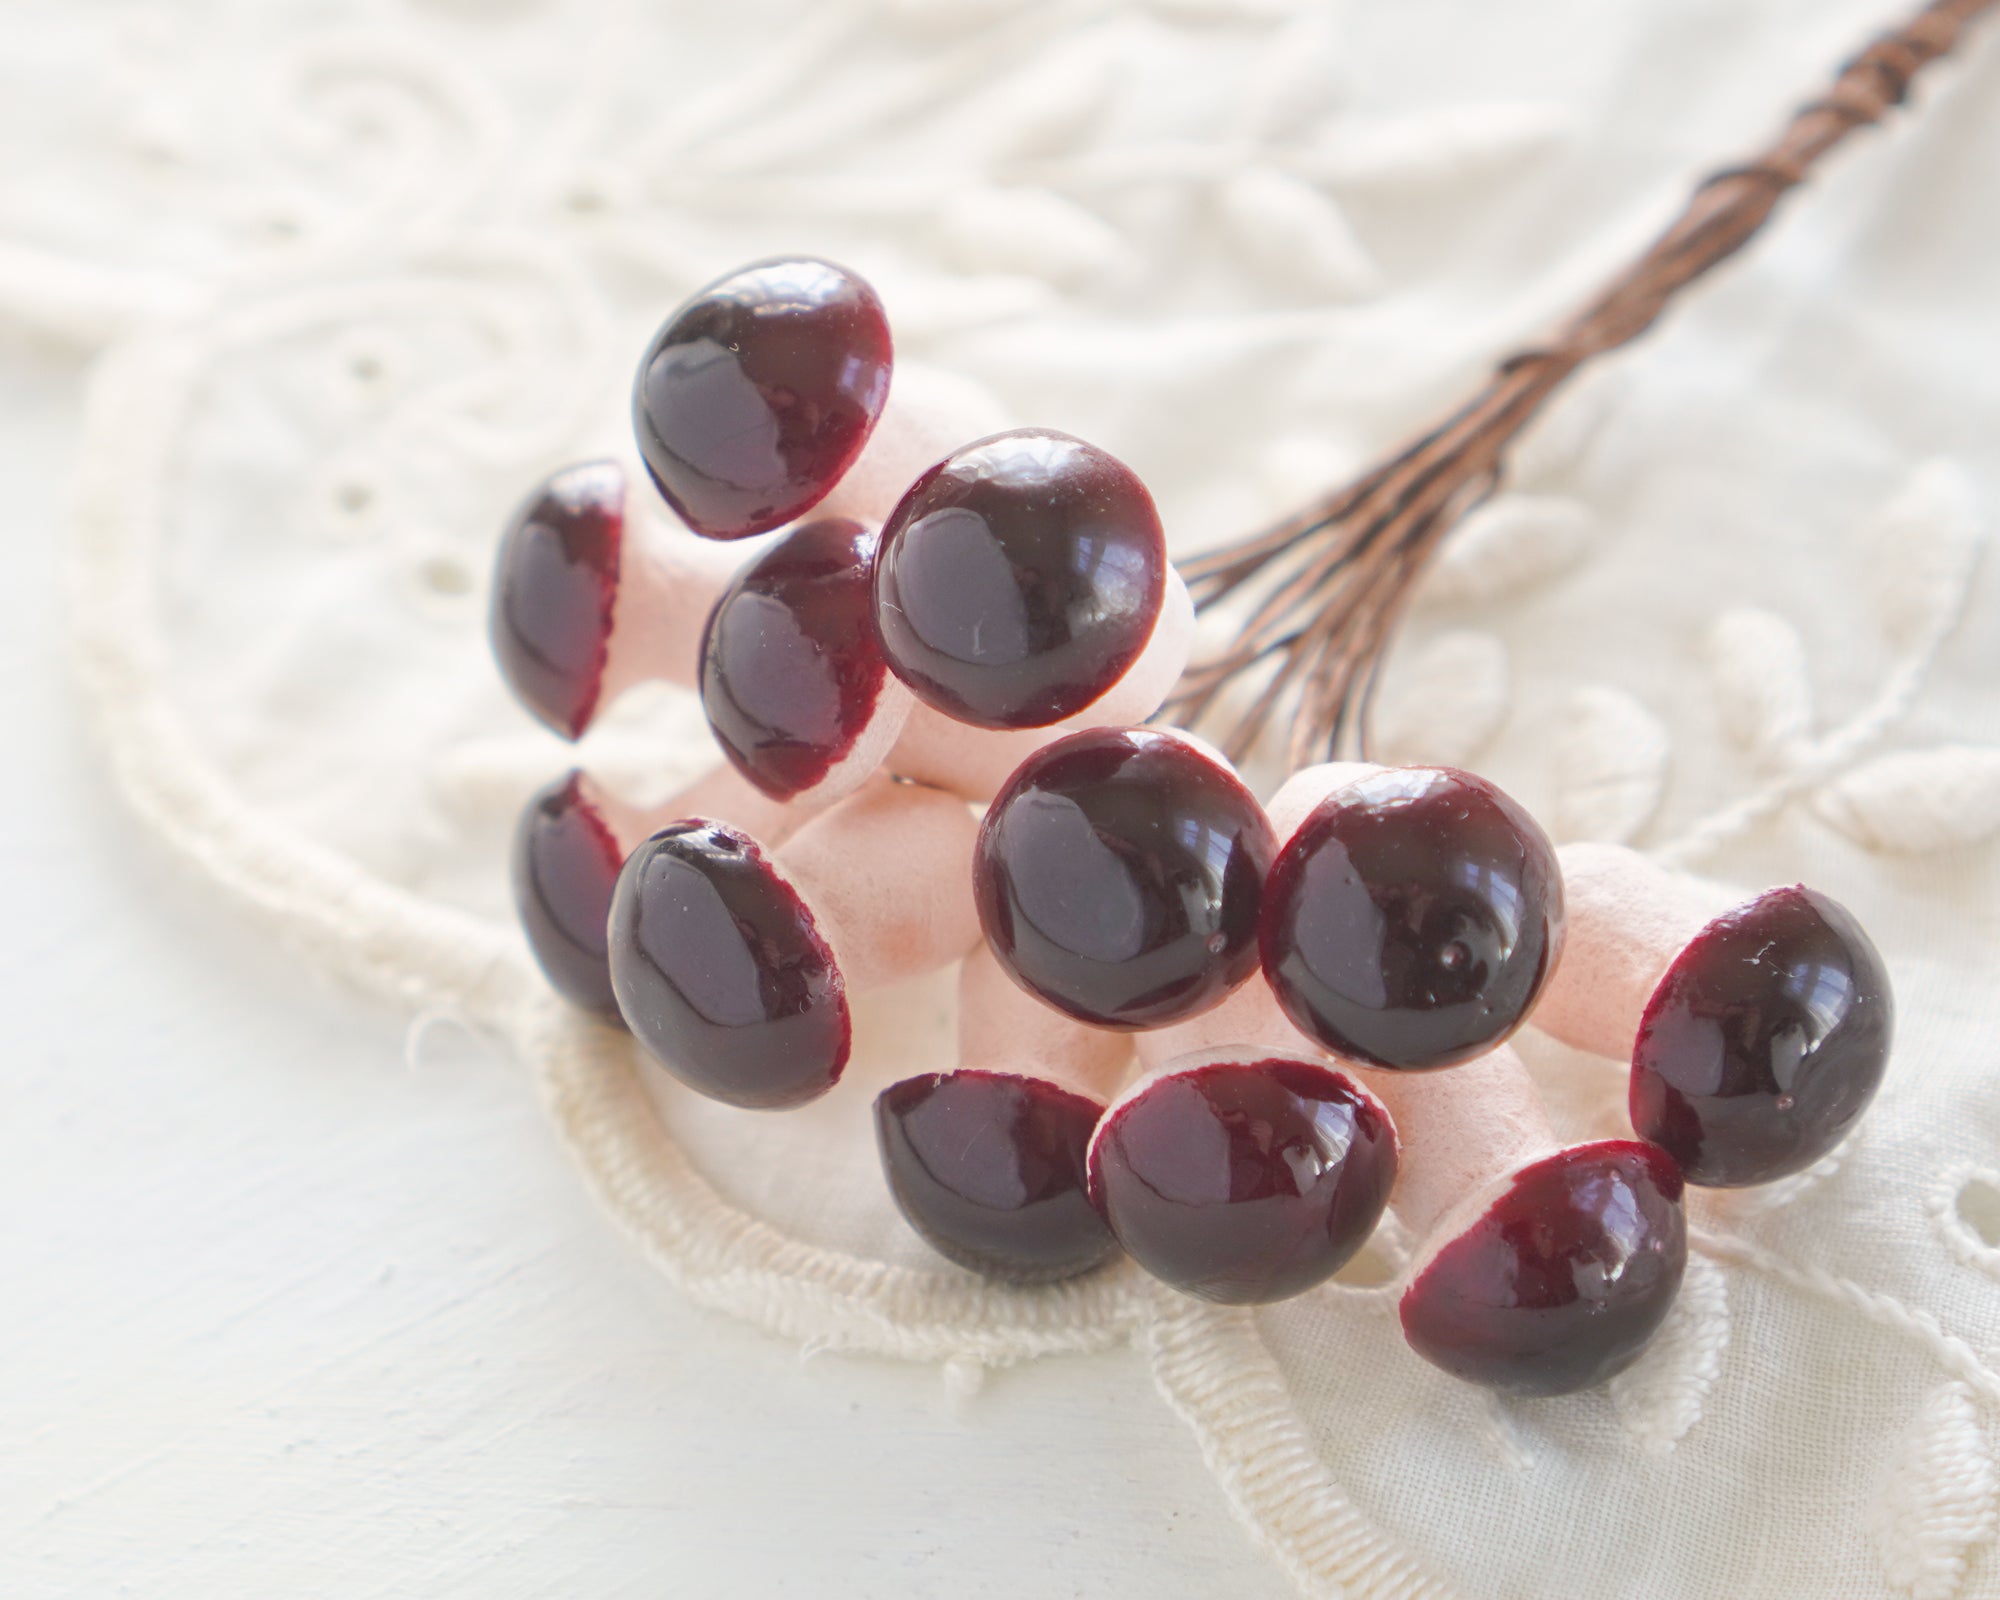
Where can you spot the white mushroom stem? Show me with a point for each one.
(887, 874)
(1249, 1018)
(1003, 1028)
(1463, 1130)
(930, 413)
(668, 581)
(1299, 796)
(721, 794)
(1627, 918)
(976, 762)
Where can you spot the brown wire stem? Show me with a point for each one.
(1338, 574)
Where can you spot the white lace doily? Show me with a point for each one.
(358, 273)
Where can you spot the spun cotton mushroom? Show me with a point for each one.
(732, 965)
(1541, 1270)
(1019, 578)
(986, 1160)
(1757, 1038)
(589, 600)
(572, 838)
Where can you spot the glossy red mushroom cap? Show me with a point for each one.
(989, 1168)
(565, 865)
(1764, 1042)
(1246, 1179)
(553, 588)
(1019, 578)
(1117, 877)
(790, 670)
(758, 393)
(1564, 1278)
(721, 972)
(1413, 919)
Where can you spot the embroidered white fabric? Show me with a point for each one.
(358, 272)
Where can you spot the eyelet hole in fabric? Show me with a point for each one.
(1978, 1208)
(445, 575)
(1964, 1207)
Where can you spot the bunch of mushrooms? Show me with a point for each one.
(928, 676)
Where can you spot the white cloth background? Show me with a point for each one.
(352, 274)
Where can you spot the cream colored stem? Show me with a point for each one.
(1626, 919)
(930, 414)
(888, 875)
(1461, 1130)
(668, 581)
(1003, 1028)
(1249, 1017)
(1300, 794)
(721, 794)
